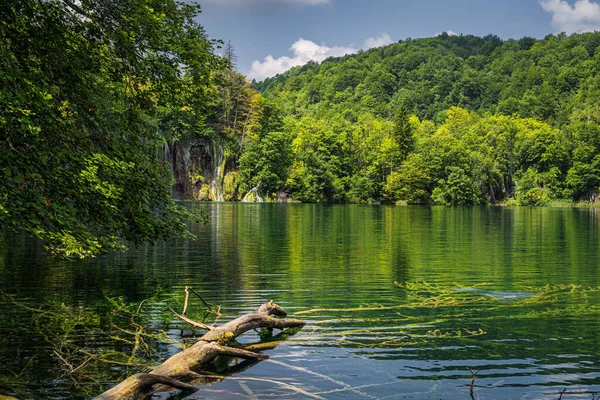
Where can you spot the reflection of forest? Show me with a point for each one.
(339, 258)
(303, 248)
(362, 245)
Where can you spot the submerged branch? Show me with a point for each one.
(181, 366)
(190, 321)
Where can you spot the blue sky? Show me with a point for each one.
(270, 36)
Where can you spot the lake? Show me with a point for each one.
(399, 301)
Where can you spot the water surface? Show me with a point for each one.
(334, 259)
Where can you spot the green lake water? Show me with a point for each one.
(512, 292)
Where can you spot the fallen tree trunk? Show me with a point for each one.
(180, 369)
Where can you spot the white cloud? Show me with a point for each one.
(583, 16)
(450, 32)
(305, 51)
(382, 40)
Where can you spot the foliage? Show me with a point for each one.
(265, 161)
(67, 335)
(266, 156)
(313, 177)
(534, 197)
(456, 189)
(231, 186)
(479, 115)
(411, 183)
(90, 92)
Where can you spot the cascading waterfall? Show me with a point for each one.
(198, 167)
(253, 196)
(258, 198)
(218, 160)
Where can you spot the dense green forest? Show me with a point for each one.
(447, 120)
(94, 92)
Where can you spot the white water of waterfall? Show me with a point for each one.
(216, 185)
(248, 197)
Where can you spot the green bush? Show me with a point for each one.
(534, 197)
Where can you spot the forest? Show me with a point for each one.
(90, 91)
(444, 120)
(96, 94)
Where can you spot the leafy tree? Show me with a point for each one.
(534, 197)
(403, 133)
(456, 189)
(314, 174)
(266, 161)
(84, 87)
(411, 184)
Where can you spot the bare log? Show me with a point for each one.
(180, 369)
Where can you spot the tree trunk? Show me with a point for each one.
(179, 370)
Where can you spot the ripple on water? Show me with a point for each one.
(366, 337)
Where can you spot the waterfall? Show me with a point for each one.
(253, 196)
(258, 198)
(218, 161)
(198, 167)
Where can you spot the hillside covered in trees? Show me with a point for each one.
(448, 120)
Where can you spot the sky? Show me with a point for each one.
(271, 36)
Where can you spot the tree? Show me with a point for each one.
(532, 190)
(403, 133)
(583, 177)
(84, 86)
(266, 161)
(456, 189)
(230, 55)
(411, 183)
(314, 172)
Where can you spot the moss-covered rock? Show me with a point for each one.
(204, 194)
(231, 186)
